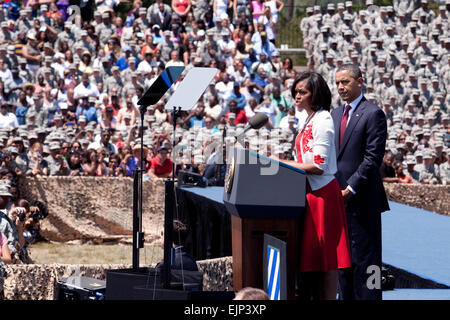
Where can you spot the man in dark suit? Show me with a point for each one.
(180, 258)
(162, 18)
(360, 138)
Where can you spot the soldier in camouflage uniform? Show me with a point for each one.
(115, 81)
(444, 169)
(57, 164)
(106, 29)
(429, 174)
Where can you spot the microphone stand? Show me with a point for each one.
(170, 207)
(222, 152)
(138, 235)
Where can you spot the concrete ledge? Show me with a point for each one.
(435, 198)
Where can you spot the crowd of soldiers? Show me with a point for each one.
(404, 54)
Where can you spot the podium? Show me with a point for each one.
(263, 196)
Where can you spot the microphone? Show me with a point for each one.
(256, 122)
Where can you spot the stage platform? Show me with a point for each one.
(415, 248)
(417, 294)
(212, 193)
(416, 241)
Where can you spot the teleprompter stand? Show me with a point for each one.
(150, 283)
(119, 282)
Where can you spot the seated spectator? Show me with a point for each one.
(250, 108)
(104, 142)
(114, 169)
(238, 96)
(133, 160)
(444, 170)
(429, 174)
(160, 165)
(108, 120)
(57, 164)
(7, 118)
(87, 110)
(263, 63)
(130, 110)
(209, 125)
(264, 46)
(92, 166)
(74, 162)
(238, 114)
(181, 7)
(401, 176)
(261, 80)
(387, 170)
(269, 109)
(410, 171)
(213, 108)
(288, 71)
(37, 165)
(196, 117)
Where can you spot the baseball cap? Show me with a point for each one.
(161, 148)
(4, 191)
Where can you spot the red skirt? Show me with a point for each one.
(325, 243)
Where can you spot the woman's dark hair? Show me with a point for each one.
(241, 47)
(320, 92)
(73, 166)
(291, 64)
(243, 26)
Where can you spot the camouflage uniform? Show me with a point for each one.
(444, 172)
(431, 173)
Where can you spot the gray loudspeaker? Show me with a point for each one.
(260, 187)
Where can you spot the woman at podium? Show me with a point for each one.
(325, 245)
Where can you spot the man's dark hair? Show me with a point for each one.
(42, 207)
(180, 232)
(353, 70)
(320, 92)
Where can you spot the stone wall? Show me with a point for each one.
(435, 198)
(38, 282)
(95, 208)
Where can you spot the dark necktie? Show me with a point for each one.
(344, 121)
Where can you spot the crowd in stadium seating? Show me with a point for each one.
(71, 81)
(404, 53)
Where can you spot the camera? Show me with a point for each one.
(36, 214)
(22, 216)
